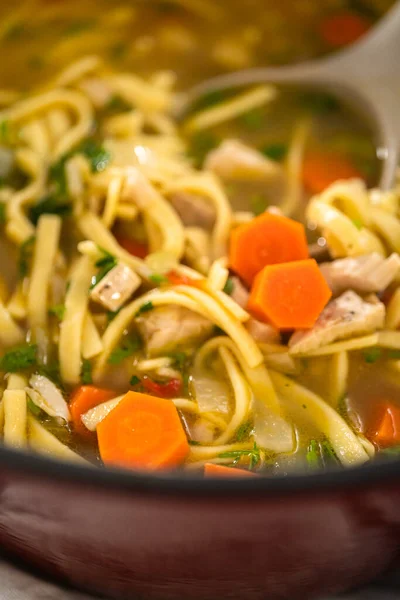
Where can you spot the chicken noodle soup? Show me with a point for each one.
(227, 306)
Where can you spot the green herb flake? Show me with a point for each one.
(313, 455)
(50, 205)
(394, 354)
(179, 360)
(57, 310)
(328, 453)
(19, 358)
(393, 451)
(2, 213)
(14, 32)
(194, 443)
(201, 144)
(275, 152)
(98, 157)
(86, 372)
(104, 264)
(25, 256)
(253, 455)
(5, 132)
(318, 102)
(134, 380)
(244, 431)
(146, 307)
(254, 119)
(229, 286)
(35, 410)
(111, 314)
(358, 223)
(117, 105)
(129, 346)
(158, 279)
(118, 51)
(78, 27)
(258, 204)
(371, 355)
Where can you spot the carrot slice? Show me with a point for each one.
(268, 239)
(321, 170)
(85, 398)
(343, 28)
(133, 246)
(289, 295)
(143, 432)
(387, 432)
(212, 470)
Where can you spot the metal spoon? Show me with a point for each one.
(366, 75)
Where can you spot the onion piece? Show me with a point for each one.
(212, 394)
(271, 431)
(48, 397)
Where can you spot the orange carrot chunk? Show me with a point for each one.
(143, 432)
(268, 239)
(387, 432)
(321, 170)
(133, 246)
(290, 295)
(212, 470)
(343, 28)
(85, 398)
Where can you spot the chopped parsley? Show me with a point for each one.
(318, 102)
(158, 279)
(146, 307)
(209, 100)
(179, 360)
(320, 454)
(58, 310)
(229, 286)
(253, 119)
(134, 380)
(275, 152)
(35, 410)
(4, 131)
(393, 451)
(2, 213)
(194, 443)
(118, 51)
(244, 431)
(86, 372)
(111, 314)
(117, 105)
(77, 27)
(25, 256)
(313, 455)
(51, 204)
(394, 354)
(19, 358)
(201, 144)
(357, 223)
(253, 455)
(14, 32)
(104, 264)
(371, 355)
(129, 346)
(258, 204)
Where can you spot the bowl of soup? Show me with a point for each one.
(199, 317)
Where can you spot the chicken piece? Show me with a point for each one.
(169, 328)
(194, 210)
(116, 287)
(344, 317)
(369, 273)
(234, 160)
(262, 333)
(240, 294)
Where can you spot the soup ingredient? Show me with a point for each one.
(169, 389)
(341, 29)
(19, 358)
(363, 274)
(289, 295)
(266, 240)
(213, 470)
(143, 432)
(263, 333)
(194, 210)
(130, 344)
(346, 316)
(234, 160)
(46, 395)
(116, 287)
(320, 170)
(132, 246)
(83, 399)
(387, 432)
(166, 329)
(240, 294)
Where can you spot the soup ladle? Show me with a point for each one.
(366, 76)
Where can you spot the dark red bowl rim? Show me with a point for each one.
(175, 483)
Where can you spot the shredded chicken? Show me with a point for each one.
(262, 333)
(99, 92)
(240, 293)
(369, 273)
(167, 328)
(116, 287)
(234, 160)
(345, 317)
(194, 210)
